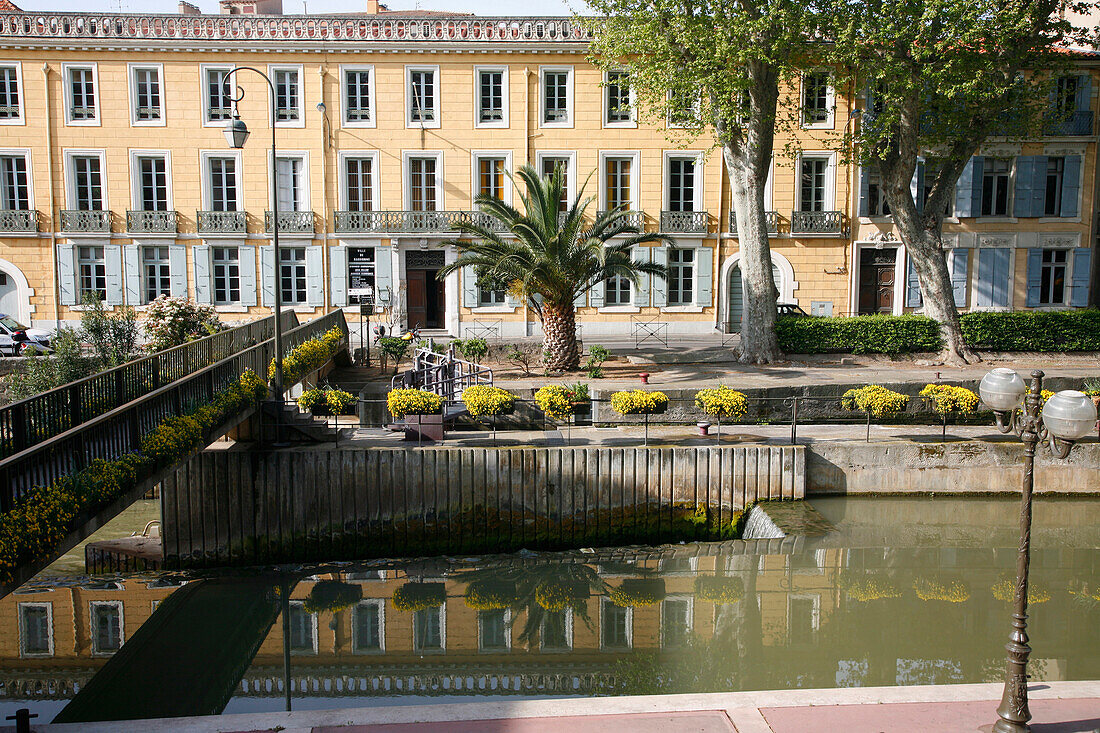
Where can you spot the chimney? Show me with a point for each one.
(186, 8)
(373, 6)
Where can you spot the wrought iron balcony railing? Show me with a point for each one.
(1078, 123)
(151, 222)
(82, 113)
(684, 222)
(290, 222)
(635, 219)
(85, 222)
(817, 222)
(18, 221)
(361, 222)
(221, 222)
(771, 220)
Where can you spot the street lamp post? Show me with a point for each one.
(236, 132)
(1066, 417)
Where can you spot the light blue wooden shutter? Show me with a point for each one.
(916, 186)
(1083, 97)
(469, 287)
(177, 270)
(660, 284)
(383, 275)
(1034, 276)
(132, 262)
(994, 279)
(338, 275)
(596, 294)
(865, 188)
(112, 254)
(641, 290)
(267, 275)
(1023, 203)
(970, 181)
(204, 293)
(704, 275)
(246, 257)
(913, 298)
(580, 300)
(1071, 185)
(315, 277)
(66, 273)
(959, 262)
(1079, 280)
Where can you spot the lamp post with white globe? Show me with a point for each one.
(1066, 417)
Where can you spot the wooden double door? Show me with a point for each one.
(425, 292)
(877, 268)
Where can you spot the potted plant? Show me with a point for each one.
(874, 400)
(719, 588)
(935, 589)
(419, 596)
(340, 402)
(1004, 590)
(488, 594)
(1092, 389)
(946, 399)
(581, 401)
(419, 403)
(640, 402)
(554, 401)
(636, 592)
(721, 402)
(311, 401)
(332, 595)
(865, 587)
(485, 401)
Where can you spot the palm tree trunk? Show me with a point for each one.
(559, 325)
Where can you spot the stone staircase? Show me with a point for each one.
(286, 424)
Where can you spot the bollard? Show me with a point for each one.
(22, 720)
(644, 376)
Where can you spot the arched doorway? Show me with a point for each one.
(15, 293)
(736, 296)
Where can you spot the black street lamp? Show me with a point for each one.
(1066, 417)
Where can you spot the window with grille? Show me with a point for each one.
(81, 93)
(358, 178)
(286, 95)
(14, 189)
(681, 280)
(227, 275)
(292, 274)
(815, 98)
(223, 184)
(10, 107)
(158, 273)
(357, 90)
(996, 175)
(106, 627)
(289, 177)
(617, 181)
(92, 272)
(36, 627)
(681, 184)
(811, 185)
(1052, 283)
(549, 165)
(490, 105)
(422, 95)
(147, 102)
(153, 182)
(617, 96)
(490, 177)
(87, 183)
(368, 627)
(555, 95)
(219, 100)
(422, 191)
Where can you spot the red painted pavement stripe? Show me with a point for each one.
(695, 722)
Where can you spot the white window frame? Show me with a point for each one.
(830, 178)
(379, 604)
(830, 100)
(25, 154)
(304, 197)
(690, 304)
(409, 121)
(507, 633)
(207, 182)
(442, 610)
(406, 178)
(690, 599)
(375, 189)
(635, 183)
(604, 602)
(696, 108)
(232, 304)
(697, 184)
(475, 173)
(570, 168)
(121, 626)
(1010, 192)
(815, 615)
(569, 640)
(203, 69)
(605, 104)
(23, 653)
(371, 103)
(70, 175)
(66, 81)
(21, 118)
(135, 176)
(313, 623)
(143, 271)
(131, 82)
(569, 97)
(298, 69)
(495, 124)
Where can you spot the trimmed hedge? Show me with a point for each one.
(1077, 330)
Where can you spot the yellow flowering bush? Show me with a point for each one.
(559, 596)
(490, 595)
(869, 587)
(253, 385)
(311, 399)
(724, 402)
(1005, 590)
(172, 438)
(947, 398)
(419, 596)
(719, 588)
(308, 356)
(639, 402)
(553, 399)
(1045, 395)
(931, 589)
(403, 402)
(874, 399)
(638, 592)
(1084, 590)
(340, 402)
(332, 595)
(483, 400)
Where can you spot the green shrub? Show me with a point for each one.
(310, 400)
(173, 321)
(472, 349)
(858, 334)
(393, 349)
(874, 399)
(66, 364)
(597, 355)
(340, 402)
(1076, 330)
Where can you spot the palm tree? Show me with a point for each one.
(551, 259)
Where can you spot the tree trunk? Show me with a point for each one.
(559, 325)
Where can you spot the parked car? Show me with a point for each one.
(17, 339)
(790, 309)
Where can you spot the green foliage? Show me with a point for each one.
(1069, 330)
(173, 321)
(483, 400)
(66, 364)
(310, 400)
(393, 349)
(639, 402)
(520, 357)
(578, 392)
(332, 595)
(880, 334)
(874, 399)
(433, 346)
(1091, 387)
(419, 596)
(597, 355)
(472, 349)
(113, 335)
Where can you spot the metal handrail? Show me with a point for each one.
(39, 417)
(119, 431)
(444, 374)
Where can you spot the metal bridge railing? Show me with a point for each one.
(444, 374)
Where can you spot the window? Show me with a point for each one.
(995, 179)
(227, 275)
(812, 183)
(488, 297)
(303, 629)
(675, 621)
(556, 97)
(158, 272)
(1056, 169)
(618, 183)
(292, 274)
(492, 629)
(614, 626)
(223, 184)
(876, 196)
(87, 180)
(288, 96)
(217, 95)
(617, 98)
(817, 99)
(491, 95)
(683, 108)
(423, 97)
(1064, 96)
(11, 108)
(681, 184)
(35, 629)
(422, 184)
(428, 629)
(367, 629)
(359, 181)
(490, 176)
(92, 270)
(801, 620)
(14, 189)
(152, 183)
(81, 87)
(291, 183)
(1052, 284)
(549, 164)
(106, 627)
(556, 633)
(145, 95)
(358, 103)
(681, 266)
(616, 291)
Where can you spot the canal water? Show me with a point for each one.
(903, 591)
